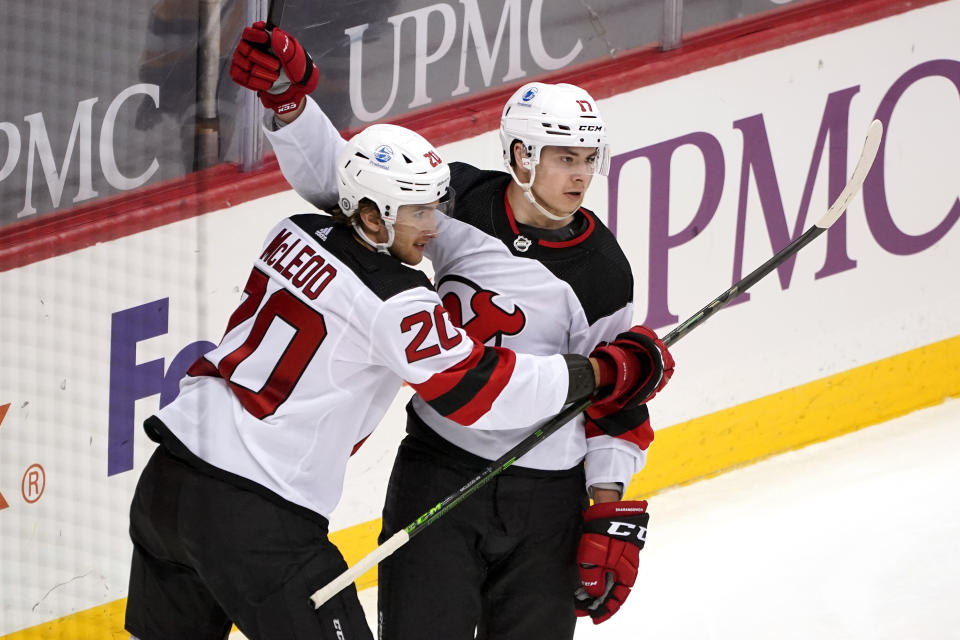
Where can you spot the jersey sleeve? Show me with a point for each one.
(457, 376)
(307, 150)
(613, 458)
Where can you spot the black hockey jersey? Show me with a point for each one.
(535, 291)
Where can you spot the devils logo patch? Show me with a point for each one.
(476, 310)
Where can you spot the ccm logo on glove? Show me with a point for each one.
(608, 556)
(627, 530)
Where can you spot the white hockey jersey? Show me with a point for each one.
(530, 290)
(321, 342)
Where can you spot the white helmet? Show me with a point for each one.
(541, 115)
(392, 166)
(563, 115)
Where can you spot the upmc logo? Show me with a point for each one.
(519, 38)
(756, 162)
(33, 146)
(131, 380)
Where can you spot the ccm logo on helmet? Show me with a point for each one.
(627, 530)
(591, 127)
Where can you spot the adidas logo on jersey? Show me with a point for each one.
(323, 233)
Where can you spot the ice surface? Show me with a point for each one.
(856, 537)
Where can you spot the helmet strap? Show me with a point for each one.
(380, 247)
(527, 188)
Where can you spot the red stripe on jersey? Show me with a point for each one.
(547, 243)
(569, 243)
(510, 219)
(440, 383)
(483, 400)
(641, 435)
(357, 446)
(203, 367)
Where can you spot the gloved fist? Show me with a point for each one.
(273, 64)
(633, 368)
(608, 556)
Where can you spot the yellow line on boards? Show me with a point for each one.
(687, 452)
(103, 622)
(790, 419)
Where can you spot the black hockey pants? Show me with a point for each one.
(501, 564)
(208, 552)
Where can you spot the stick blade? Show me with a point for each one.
(869, 153)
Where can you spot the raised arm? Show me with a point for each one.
(307, 151)
(305, 141)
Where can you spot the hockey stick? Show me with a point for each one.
(275, 14)
(400, 538)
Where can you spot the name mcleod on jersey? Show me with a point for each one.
(298, 262)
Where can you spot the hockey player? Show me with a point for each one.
(520, 264)
(229, 519)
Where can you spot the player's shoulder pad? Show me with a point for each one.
(602, 279)
(383, 274)
(471, 184)
(603, 240)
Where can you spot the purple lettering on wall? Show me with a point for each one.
(831, 146)
(660, 240)
(835, 124)
(879, 218)
(758, 161)
(130, 381)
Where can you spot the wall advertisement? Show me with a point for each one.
(712, 172)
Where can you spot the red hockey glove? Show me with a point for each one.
(608, 557)
(633, 368)
(273, 64)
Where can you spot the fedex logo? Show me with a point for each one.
(131, 380)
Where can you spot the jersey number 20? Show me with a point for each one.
(309, 331)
